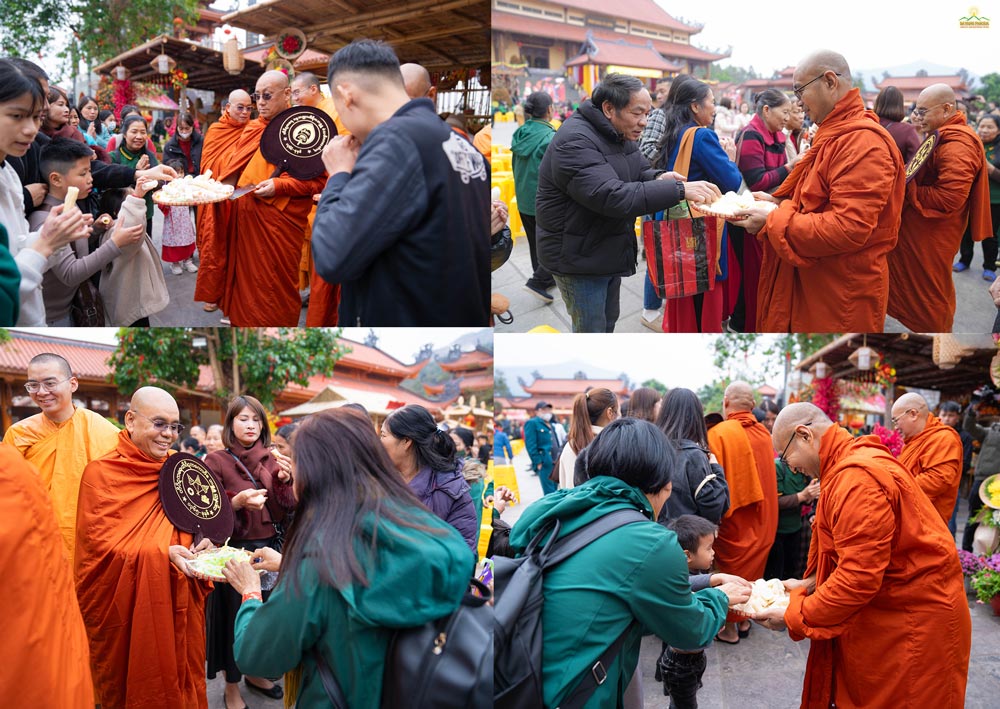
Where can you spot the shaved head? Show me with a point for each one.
(53, 359)
(239, 95)
(937, 102)
(54, 379)
(146, 397)
(737, 397)
(821, 80)
(305, 90)
(799, 414)
(797, 434)
(416, 79)
(238, 107)
(150, 420)
(909, 413)
(273, 94)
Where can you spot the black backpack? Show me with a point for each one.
(517, 634)
(444, 664)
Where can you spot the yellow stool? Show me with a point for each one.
(517, 446)
(505, 181)
(514, 217)
(504, 476)
(543, 329)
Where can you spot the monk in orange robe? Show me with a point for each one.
(825, 247)
(882, 602)
(214, 219)
(267, 227)
(747, 531)
(44, 658)
(932, 452)
(324, 298)
(950, 192)
(144, 613)
(61, 440)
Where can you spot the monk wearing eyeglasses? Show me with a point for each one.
(882, 602)
(143, 610)
(214, 219)
(949, 192)
(825, 248)
(932, 452)
(267, 231)
(61, 440)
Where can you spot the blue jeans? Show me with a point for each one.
(650, 301)
(592, 301)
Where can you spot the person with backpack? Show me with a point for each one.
(597, 603)
(362, 560)
(542, 445)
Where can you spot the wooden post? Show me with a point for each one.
(6, 403)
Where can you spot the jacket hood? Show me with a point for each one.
(532, 138)
(577, 507)
(418, 575)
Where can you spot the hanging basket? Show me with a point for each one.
(290, 43)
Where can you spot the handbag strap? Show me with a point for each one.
(683, 162)
(245, 469)
(330, 686)
(596, 675)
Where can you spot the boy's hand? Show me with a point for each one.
(126, 236)
(142, 186)
(60, 229)
(719, 579)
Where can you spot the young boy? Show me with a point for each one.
(66, 163)
(682, 669)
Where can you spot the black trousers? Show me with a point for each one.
(989, 245)
(682, 673)
(540, 277)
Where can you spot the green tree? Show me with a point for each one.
(991, 87)
(100, 29)
(710, 395)
(755, 357)
(242, 360)
(500, 386)
(656, 384)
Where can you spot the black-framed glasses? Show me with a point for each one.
(895, 419)
(798, 91)
(48, 385)
(264, 95)
(921, 112)
(790, 439)
(160, 425)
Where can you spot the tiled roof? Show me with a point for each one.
(921, 82)
(622, 53)
(476, 359)
(88, 360)
(645, 11)
(476, 383)
(506, 22)
(373, 359)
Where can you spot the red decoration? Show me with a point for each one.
(825, 397)
(291, 44)
(891, 439)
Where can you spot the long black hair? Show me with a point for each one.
(678, 115)
(434, 449)
(16, 82)
(338, 493)
(682, 417)
(634, 451)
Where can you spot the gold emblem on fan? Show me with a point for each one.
(922, 155)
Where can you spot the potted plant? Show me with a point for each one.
(987, 537)
(986, 583)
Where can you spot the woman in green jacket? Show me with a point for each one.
(133, 152)
(634, 573)
(527, 146)
(362, 558)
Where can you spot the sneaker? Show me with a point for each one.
(959, 267)
(175, 268)
(189, 266)
(225, 321)
(538, 292)
(989, 275)
(652, 319)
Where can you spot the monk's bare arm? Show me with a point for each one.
(861, 176)
(863, 526)
(949, 193)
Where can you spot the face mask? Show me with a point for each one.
(547, 417)
(112, 125)
(184, 136)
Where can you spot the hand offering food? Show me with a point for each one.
(193, 190)
(732, 204)
(211, 562)
(765, 595)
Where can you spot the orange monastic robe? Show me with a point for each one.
(950, 192)
(825, 250)
(61, 452)
(746, 533)
(214, 219)
(889, 621)
(934, 457)
(44, 659)
(324, 298)
(266, 239)
(145, 619)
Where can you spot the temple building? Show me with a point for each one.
(559, 393)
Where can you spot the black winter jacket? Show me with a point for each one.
(592, 185)
(172, 151)
(693, 467)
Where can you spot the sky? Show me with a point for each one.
(401, 343)
(869, 33)
(677, 360)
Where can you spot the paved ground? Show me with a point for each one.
(216, 696)
(765, 671)
(183, 311)
(975, 313)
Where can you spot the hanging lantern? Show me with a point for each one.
(232, 57)
(795, 380)
(162, 64)
(121, 72)
(820, 370)
(862, 358)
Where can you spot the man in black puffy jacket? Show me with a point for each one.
(593, 183)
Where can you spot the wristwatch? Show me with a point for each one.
(680, 190)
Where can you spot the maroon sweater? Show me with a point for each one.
(253, 524)
(762, 156)
(906, 137)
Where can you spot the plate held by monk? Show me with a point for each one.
(295, 138)
(194, 500)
